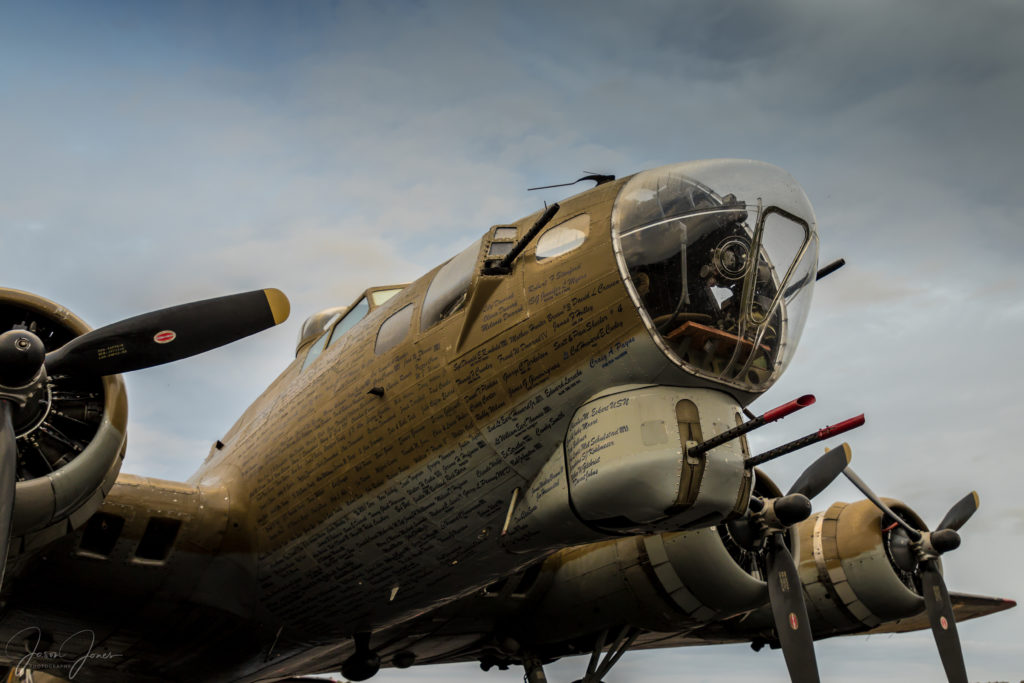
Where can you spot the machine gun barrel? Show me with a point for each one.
(770, 416)
(505, 266)
(812, 438)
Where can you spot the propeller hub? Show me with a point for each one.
(21, 357)
(944, 540)
(791, 509)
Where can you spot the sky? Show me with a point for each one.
(152, 154)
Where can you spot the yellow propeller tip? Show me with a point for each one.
(847, 451)
(279, 305)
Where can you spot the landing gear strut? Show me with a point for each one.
(364, 662)
(596, 669)
(534, 670)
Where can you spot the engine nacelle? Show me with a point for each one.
(663, 582)
(849, 576)
(70, 440)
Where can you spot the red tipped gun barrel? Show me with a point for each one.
(802, 442)
(770, 416)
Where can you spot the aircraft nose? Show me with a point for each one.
(720, 256)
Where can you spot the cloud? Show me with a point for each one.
(160, 452)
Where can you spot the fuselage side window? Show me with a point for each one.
(448, 290)
(564, 237)
(394, 330)
(354, 315)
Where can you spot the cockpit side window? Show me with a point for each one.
(394, 330)
(381, 296)
(449, 288)
(321, 342)
(315, 350)
(354, 315)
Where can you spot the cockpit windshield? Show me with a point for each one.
(720, 257)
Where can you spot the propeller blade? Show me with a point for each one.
(169, 334)
(961, 512)
(8, 481)
(914, 534)
(791, 623)
(940, 614)
(822, 471)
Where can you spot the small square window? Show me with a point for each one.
(101, 533)
(499, 249)
(505, 233)
(158, 539)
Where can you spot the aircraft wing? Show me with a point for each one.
(655, 592)
(965, 607)
(461, 634)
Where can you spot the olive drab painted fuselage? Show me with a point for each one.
(378, 507)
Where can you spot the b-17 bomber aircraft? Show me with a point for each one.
(535, 450)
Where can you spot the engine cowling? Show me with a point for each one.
(662, 582)
(70, 436)
(850, 577)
